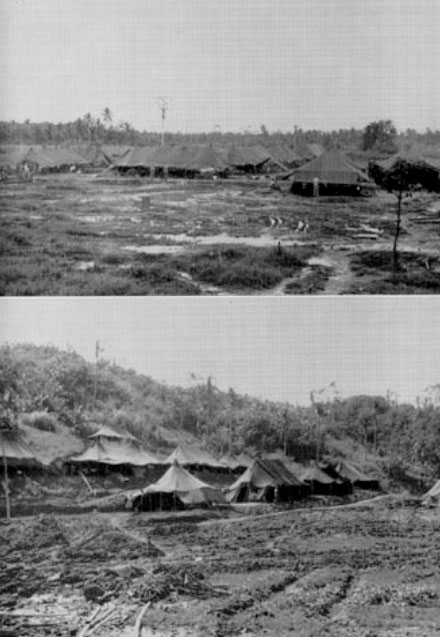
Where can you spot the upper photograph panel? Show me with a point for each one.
(161, 147)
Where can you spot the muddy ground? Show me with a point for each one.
(94, 235)
(369, 570)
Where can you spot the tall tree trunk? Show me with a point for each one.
(397, 233)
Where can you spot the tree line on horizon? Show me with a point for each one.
(380, 136)
(47, 388)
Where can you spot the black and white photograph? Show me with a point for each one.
(219, 323)
(220, 467)
(186, 147)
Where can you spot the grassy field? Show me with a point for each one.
(82, 235)
(341, 572)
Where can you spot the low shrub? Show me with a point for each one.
(41, 420)
(243, 267)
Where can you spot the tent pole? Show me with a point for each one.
(6, 485)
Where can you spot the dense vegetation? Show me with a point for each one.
(43, 386)
(380, 136)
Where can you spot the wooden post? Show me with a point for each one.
(6, 485)
(397, 231)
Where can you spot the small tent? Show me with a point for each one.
(358, 479)
(432, 497)
(177, 488)
(321, 483)
(265, 480)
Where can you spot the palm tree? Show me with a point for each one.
(107, 115)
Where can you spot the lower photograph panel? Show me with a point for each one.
(220, 466)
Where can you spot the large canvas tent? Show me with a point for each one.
(113, 448)
(282, 154)
(102, 155)
(208, 159)
(424, 171)
(137, 158)
(409, 157)
(14, 449)
(177, 488)
(47, 158)
(183, 156)
(12, 155)
(266, 480)
(15, 454)
(335, 173)
(247, 158)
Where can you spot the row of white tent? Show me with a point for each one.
(115, 448)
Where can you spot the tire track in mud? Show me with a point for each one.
(340, 595)
(228, 611)
(232, 610)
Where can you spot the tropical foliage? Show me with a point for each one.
(43, 385)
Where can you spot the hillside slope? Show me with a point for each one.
(58, 399)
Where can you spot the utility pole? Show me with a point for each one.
(162, 102)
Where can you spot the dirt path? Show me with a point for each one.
(118, 523)
(341, 275)
(301, 511)
(171, 551)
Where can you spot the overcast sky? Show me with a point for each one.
(234, 64)
(276, 348)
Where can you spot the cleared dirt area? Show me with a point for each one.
(88, 235)
(364, 570)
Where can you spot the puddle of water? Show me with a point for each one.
(320, 261)
(256, 242)
(175, 632)
(188, 242)
(83, 266)
(156, 249)
(96, 218)
(104, 218)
